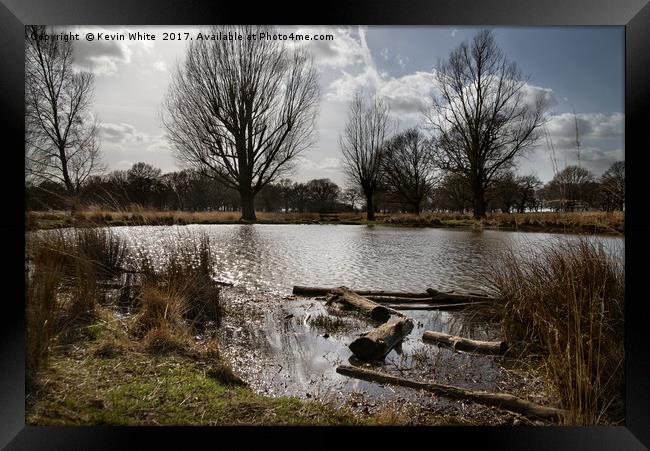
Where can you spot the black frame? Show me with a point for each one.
(633, 14)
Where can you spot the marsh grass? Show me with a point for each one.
(331, 324)
(44, 277)
(566, 299)
(66, 278)
(187, 274)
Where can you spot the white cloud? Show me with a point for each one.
(453, 32)
(123, 136)
(160, 66)
(532, 92)
(405, 95)
(326, 164)
(158, 143)
(342, 51)
(590, 125)
(103, 57)
(121, 133)
(401, 60)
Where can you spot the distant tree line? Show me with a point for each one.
(237, 115)
(146, 186)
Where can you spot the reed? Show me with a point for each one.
(567, 299)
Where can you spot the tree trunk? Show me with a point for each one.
(439, 296)
(370, 213)
(377, 343)
(478, 200)
(501, 400)
(421, 306)
(376, 311)
(465, 344)
(479, 203)
(322, 291)
(247, 205)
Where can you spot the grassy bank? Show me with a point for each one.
(611, 223)
(565, 300)
(130, 355)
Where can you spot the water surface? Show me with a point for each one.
(270, 338)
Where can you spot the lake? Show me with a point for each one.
(270, 339)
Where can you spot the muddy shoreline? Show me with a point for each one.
(272, 343)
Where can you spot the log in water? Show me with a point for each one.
(450, 297)
(434, 306)
(377, 343)
(465, 344)
(322, 291)
(501, 400)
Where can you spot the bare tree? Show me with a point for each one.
(361, 143)
(241, 110)
(351, 196)
(481, 117)
(613, 186)
(409, 169)
(61, 135)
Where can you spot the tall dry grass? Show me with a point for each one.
(46, 267)
(186, 273)
(567, 299)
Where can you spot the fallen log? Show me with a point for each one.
(396, 299)
(441, 296)
(465, 344)
(376, 311)
(377, 343)
(501, 400)
(435, 306)
(322, 291)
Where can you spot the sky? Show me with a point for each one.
(578, 68)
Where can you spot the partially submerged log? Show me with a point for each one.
(501, 400)
(465, 344)
(377, 343)
(396, 299)
(450, 297)
(322, 291)
(435, 306)
(374, 310)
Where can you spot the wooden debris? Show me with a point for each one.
(501, 400)
(465, 344)
(374, 310)
(377, 343)
(435, 306)
(450, 297)
(322, 291)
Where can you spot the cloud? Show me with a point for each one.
(532, 92)
(124, 135)
(121, 133)
(401, 61)
(453, 32)
(342, 51)
(601, 140)
(104, 57)
(562, 127)
(160, 66)
(158, 143)
(326, 164)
